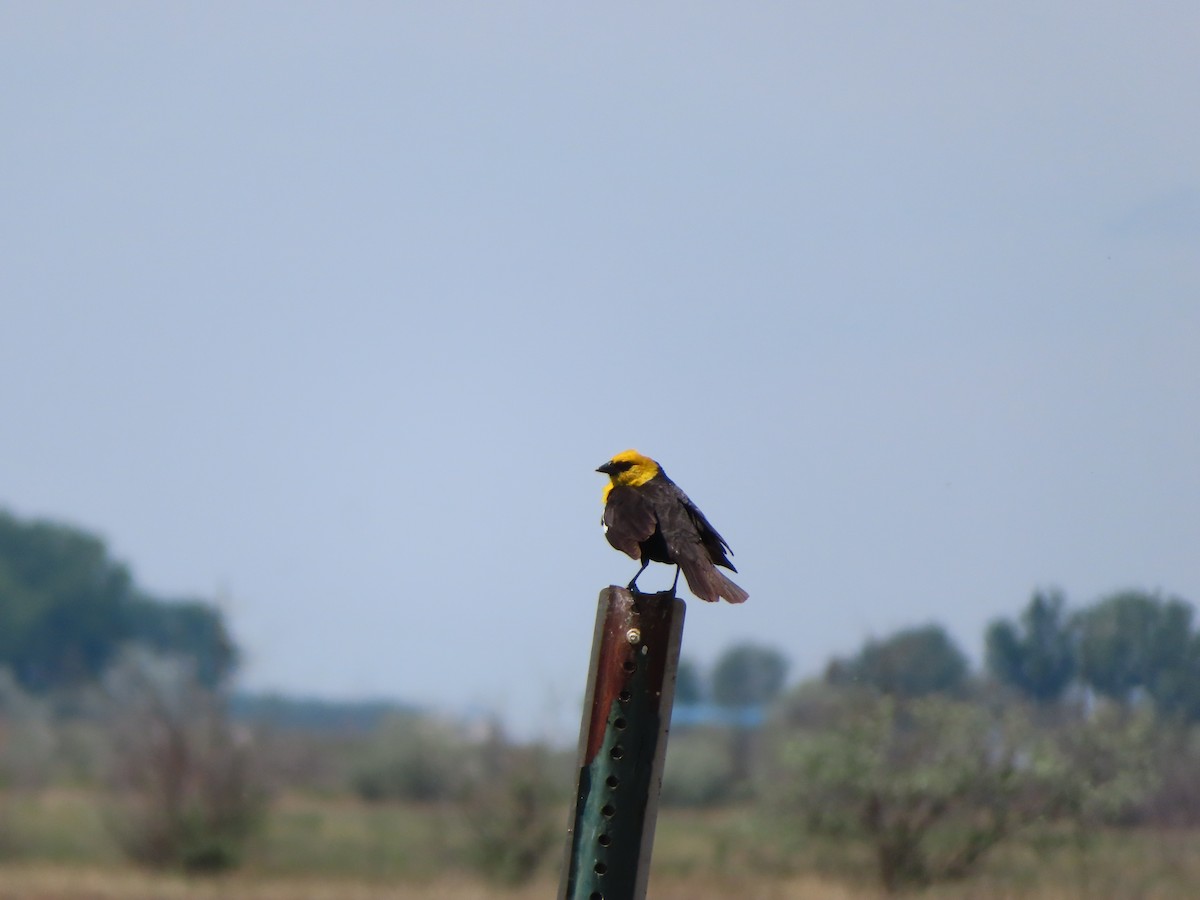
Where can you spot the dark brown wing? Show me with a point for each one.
(672, 530)
(713, 542)
(628, 520)
(696, 547)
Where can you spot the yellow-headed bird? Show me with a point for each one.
(648, 517)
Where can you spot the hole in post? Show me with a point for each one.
(595, 895)
(608, 810)
(600, 868)
(604, 840)
(629, 665)
(617, 751)
(624, 696)
(613, 781)
(619, 724)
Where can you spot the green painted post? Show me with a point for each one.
(622, 744)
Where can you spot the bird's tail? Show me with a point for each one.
(708, 583)
(729, 590)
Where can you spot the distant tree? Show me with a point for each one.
(1036, 656)
(61, 603)
(189, 628)
(748, 675)
(1136, 641)
(911, 663)
(1176, 688)
(66, 608)
(689, 684)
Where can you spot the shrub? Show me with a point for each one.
(413, 758)
(698, 769)
(932, 784)
(184, 786)
(515, 814)
(27, 739)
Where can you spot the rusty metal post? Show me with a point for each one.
(622, 744)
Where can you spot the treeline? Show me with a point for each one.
(67, 608)
(1128, 647)
(1131, 647)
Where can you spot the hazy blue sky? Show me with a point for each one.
(332, 310)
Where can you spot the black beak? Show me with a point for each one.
(608, 468)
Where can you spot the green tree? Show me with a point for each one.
(189, 628)
(1037, 655)
(61, 603)
(745, 679)
(1137, 641)
(1176, 687)
(689, 684)
(748, 675)
(911, 663)
(66, 608)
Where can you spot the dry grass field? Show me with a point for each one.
(57, 883)
(50, 882)
(56, 848)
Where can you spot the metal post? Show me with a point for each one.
(622, 744)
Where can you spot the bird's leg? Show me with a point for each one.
(676, 581)
(632, 585)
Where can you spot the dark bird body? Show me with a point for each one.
(649, 518)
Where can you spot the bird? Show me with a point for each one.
(649, 518)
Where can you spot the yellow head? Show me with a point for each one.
(629, 469)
